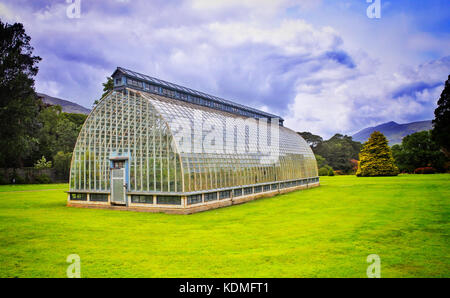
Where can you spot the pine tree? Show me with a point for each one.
(375, 158)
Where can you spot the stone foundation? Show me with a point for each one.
(188, 209)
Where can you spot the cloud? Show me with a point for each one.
(252, 52)
(348, 104)
(5, 11)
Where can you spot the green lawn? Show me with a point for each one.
(322, 232)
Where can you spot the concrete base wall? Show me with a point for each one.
(188, 209)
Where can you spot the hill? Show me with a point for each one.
(67, 106)
(393, 131)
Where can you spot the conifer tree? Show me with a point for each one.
(375, 158)
(18, 104)
(441, 123)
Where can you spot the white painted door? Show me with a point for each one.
(118, 190)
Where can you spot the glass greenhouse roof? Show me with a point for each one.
(147, 83)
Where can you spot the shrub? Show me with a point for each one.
(355, 164)
(28, 179)
(43, 179)
(425, 170)
(15, 178)
(323, 171)
(326, 170)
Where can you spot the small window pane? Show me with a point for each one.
(248, 190)
(98, 197)
(210, 196)
(142, 199)
(225, 194)
(168, 200)
(78, 197)
(194, 199)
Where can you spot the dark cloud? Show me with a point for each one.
(341, 57)
(413, 88)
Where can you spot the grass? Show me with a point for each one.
(323, 232)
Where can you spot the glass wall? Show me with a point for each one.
(212, 168)
(146, 128)
(125, 124)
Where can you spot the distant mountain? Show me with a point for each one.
(67, 106)
(393, 131)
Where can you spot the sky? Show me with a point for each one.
(324, 66)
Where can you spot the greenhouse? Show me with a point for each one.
(151, 145)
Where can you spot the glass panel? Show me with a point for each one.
(237, 192)
(194, 199)
(98, 197)
(168, 200)
(210, 196)
(225, 194)
(142, 199)
(78, 197)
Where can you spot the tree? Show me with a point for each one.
(321, 162)
(61, 163)
(311, 139)
(77, 119)
(107, 87)
(18, 104)
(418, 150)
(441, 123)
(48, 139)
(338, 151)
(58, 132)
(400, 160)
(324, 168)
(43, 164)
(375, 158)
(67, 131)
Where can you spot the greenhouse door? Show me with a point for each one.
(118, 183)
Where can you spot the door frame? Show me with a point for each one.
(123, 183)
(126, 159)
